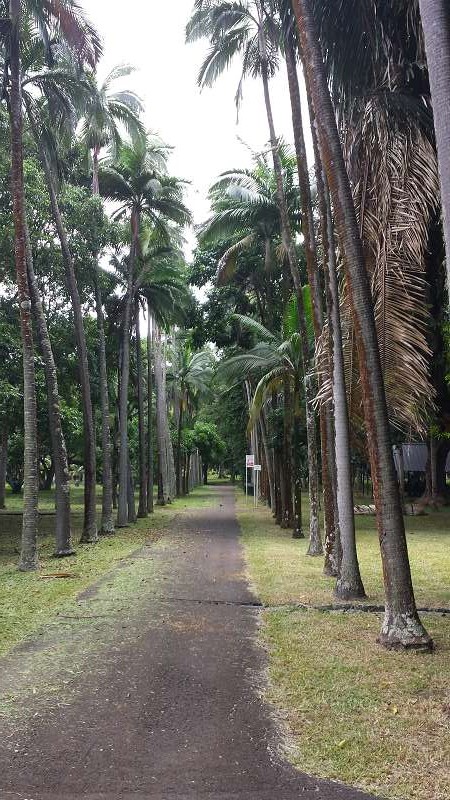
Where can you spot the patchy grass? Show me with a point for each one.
(355, 712)
(27, 600)
(286, 575)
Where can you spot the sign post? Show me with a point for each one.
(256, 472)
(249, 464)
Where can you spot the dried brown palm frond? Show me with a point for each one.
(392, 163)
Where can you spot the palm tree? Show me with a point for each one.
(289, 47)
(246, 29)
(90, 469)
(28, 558)
(166, 464)
(192, 374)
(401, 626)
(107, 111)
(59, 86)
(139, 184)
(66, 17)
(436, 27)
(275, 364)
(60, 460)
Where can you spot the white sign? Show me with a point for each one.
(249, 461)
(257, 467)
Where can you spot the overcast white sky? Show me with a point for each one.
(201, 126)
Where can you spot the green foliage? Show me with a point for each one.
(209, 443)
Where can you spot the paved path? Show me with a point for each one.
(172, 712)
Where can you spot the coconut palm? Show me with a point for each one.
(245, 212)
(139, 184)
(401, 626)
(108, 112)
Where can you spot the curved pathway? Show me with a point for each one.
(167, 704)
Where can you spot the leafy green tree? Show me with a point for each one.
(209, 444)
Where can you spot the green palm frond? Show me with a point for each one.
(251, 325)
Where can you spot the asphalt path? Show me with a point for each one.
(172, 708)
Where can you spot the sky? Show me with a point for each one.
(200, 126)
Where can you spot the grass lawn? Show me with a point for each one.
(353, 711)
(26, 599)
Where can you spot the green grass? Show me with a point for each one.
(355, 712)
(27, 601)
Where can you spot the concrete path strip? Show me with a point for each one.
(170, 709)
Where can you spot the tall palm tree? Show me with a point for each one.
(69, 20)
(401, 626)
(436, 27)
(192, 374)
(90, 461)
(28, 558)
(139, 184)
(107, 112)
(60, 87)
(246, 29)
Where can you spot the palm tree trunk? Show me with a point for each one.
(166, 465)
(268, 455)
(436, 27)
(349, 584)
(142, 507)
(312, 266)
(122, 511)
(90, 467)
(297, 533)
(107, 523)
(3, 465)
(288, 521)
(131, 508)
(60, 461)
(150, 470)
(315, 547)
(401, 626)
(179, 435)
(332, 539)
(29, 554)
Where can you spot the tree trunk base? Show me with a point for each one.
(28, 566)
(64, 552)
(349, 590)
(315, 548)
(330, 570)
(404, 632)
(297, 533)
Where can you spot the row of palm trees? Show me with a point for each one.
(366, 246)
(50, 53)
